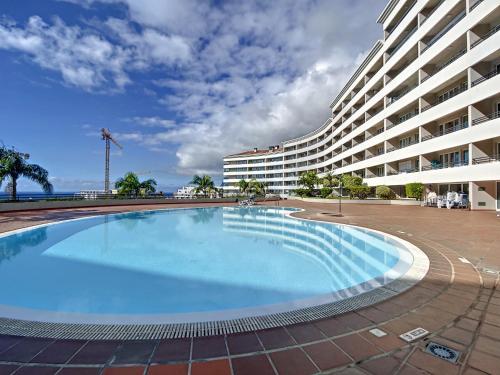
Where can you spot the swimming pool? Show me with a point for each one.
(193, 265)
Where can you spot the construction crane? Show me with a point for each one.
(106, 136)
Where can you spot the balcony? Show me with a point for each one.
(485, 77)
(395, 49)
(445, 64)
(486, 159)
(450, 94)
(438, 165)
(485, 118)
(475, 5)
(432, 11)
(404, 118)
(403, 171)
(391, 149)
(444, 30)
(390, 29)
(453, 129)
(395, 98)
(485, 36)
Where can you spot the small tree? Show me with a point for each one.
(349, 182)
(384, 192)
(309, 180)
(414, 190)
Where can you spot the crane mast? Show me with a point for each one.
(108, 138)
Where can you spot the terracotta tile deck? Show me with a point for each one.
(459, 303)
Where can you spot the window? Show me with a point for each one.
(405, 166)
(452, 92)
(380, 171)
(465, 156)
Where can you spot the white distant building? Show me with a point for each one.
(95, 194)
(424, 106)
(185, 192)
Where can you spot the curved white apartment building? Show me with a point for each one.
(424, 106)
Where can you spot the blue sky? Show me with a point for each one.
(180, 84)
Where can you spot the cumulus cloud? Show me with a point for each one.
(88, 59)
(234, 74)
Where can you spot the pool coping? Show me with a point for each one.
(91, 331)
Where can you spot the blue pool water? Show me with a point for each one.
(190, 261)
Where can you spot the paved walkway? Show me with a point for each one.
(458, 302)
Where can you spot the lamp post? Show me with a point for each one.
(340, 198)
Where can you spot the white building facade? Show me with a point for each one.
(424, 106)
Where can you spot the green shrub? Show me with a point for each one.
(359, 191)
(384, 192)
(301, 192)
(414, 190)
(325, 192)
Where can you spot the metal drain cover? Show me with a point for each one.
(443, 352)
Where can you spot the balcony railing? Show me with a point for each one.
(486, 159)
(486, 77)
(451, 95)
(432, 11)
(485, 118)
(393, 99)
(445, 64)
(440, 34)
(404, 171)
(482, 38)
(475, 5)
(403, 41)
(391, 149)
(373, 176)
(408, 116)
(393, 27)
(447, 131)
(460, 163)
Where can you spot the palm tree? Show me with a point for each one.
(130, 185)
(13, 164)
(244, 186)
(148, 186)
(259, 188)
(330, 180)
(204, 184)
(309, 180)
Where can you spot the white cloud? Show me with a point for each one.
(88, 59)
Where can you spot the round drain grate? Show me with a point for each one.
(443, 352)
